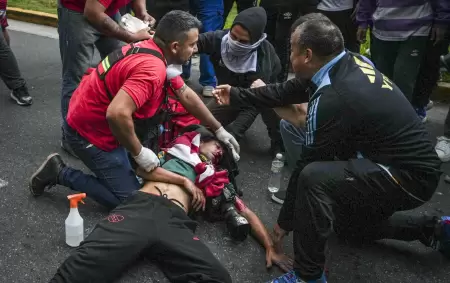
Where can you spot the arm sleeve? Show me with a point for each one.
(441, 10)
(141, 85)
(293, 91)
(206, 43)
(366, 8)
(324, 127)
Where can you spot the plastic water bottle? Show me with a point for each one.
(275, 177)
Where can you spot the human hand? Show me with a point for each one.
(281, 260)
(437, 34)
(143, 34)
(278, 235)
(361, 34)
(147, 159)
(230, 141)
(257, 83)
(222, 94)
(198, 198)
(146, 18)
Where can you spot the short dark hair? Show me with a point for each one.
(175, 25)
(321, 36)
(308, 17)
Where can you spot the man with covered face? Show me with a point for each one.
(241, 56)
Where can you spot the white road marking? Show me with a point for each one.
(3, 183)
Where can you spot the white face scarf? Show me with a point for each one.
(238, 57)
(173, 70)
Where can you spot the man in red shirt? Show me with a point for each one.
(9, 70)
(84, 25)
(100, 127)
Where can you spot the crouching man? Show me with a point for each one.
(153, 222)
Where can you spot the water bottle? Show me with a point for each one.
(275, 177)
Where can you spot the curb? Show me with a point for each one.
(34, 17)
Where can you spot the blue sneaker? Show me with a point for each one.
(422, 113)
(443, 240)
(290, 277)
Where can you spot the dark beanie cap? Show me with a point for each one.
(254, 20)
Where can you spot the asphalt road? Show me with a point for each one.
(32, 229)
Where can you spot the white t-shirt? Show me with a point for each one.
(335, 5)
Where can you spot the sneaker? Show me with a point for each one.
(279, 196)
(443, 240)
(422, 113)
(291, 277)
(430, 105)
(21, 96)
(442, 148)
(67, 148)
(47, 174)
(207, 91)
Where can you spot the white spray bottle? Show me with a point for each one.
(74, 222)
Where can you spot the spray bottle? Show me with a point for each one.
(74, 222)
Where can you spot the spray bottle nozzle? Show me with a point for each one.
(74, 199)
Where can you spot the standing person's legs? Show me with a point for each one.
(407, 64)
(245, 4)
(76, 45)
(210, 13)
(286, 17)
(343, 20)
(356, 198)
(383, 54)
(10, 74)
(272, 16)
(429, 73)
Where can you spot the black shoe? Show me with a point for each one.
(21, 96)
(279, 196)
(47, 175)
(67, 148)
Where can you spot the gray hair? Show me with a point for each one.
(321, 36)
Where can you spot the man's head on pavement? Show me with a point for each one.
(249, 25)
(313, 44)
(177, 34)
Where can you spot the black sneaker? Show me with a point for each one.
(279, 196)
(67, 148)
(47, 174)
(21, 96)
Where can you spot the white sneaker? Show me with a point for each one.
(443, 148)
(207, 91)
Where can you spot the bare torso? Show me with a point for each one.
(173, 192)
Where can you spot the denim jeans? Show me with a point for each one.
(210, 13)
(77, 41)
(293, 140)
(114, 178)
(9, 70)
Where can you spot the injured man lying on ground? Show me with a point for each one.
(153, 223)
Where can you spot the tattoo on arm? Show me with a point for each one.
(182, 89)
(109, 27)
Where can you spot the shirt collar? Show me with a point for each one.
(318, 77)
